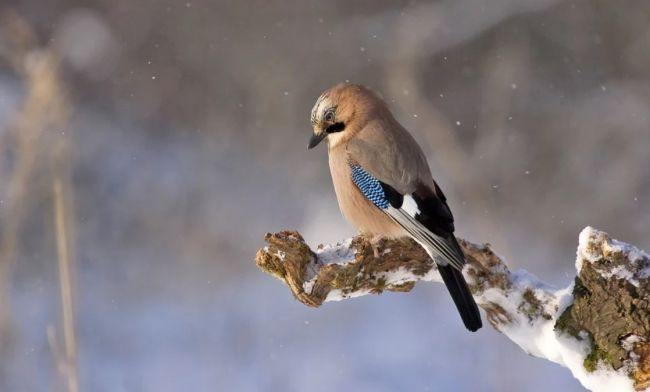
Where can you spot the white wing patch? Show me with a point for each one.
(410, 206)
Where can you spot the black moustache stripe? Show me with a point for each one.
(336, 127)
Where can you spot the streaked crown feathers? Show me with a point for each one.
(322, 104)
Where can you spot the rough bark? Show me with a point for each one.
(603, 319)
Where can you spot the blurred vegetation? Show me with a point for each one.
(37, 151)
(177, 130)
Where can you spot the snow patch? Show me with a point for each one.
(539, 337)
(621, 272)
(584, 252)
(403, 275)
(339, 253)
(339, 295)
(594, 245)
(281, 254)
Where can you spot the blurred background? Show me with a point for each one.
(147, 146)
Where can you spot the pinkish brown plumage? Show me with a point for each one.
(383, 183)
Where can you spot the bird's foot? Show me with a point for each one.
(375, 242)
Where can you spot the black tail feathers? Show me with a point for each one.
(462, 297)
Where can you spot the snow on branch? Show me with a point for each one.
(599, 327)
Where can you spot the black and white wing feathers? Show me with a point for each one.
(425, 215)
(427, 220)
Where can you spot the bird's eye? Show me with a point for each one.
(329, 116)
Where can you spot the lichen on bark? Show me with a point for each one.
(611, 303)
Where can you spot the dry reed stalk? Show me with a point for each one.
(65, 284)
(45, 109)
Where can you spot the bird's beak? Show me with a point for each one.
(316, 138)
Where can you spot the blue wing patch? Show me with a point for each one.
(369, 186)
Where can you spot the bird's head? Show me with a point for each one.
(342, 111)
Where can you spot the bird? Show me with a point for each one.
(383, 183)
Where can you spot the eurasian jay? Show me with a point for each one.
(383, 183)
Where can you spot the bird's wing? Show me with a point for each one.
(422, 213)
(390, 154)
(390, 169)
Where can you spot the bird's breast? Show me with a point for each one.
(355, 207)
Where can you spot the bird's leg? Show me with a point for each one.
(375, 242)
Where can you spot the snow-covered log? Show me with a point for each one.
(599, 327)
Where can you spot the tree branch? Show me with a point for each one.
(599, 327)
